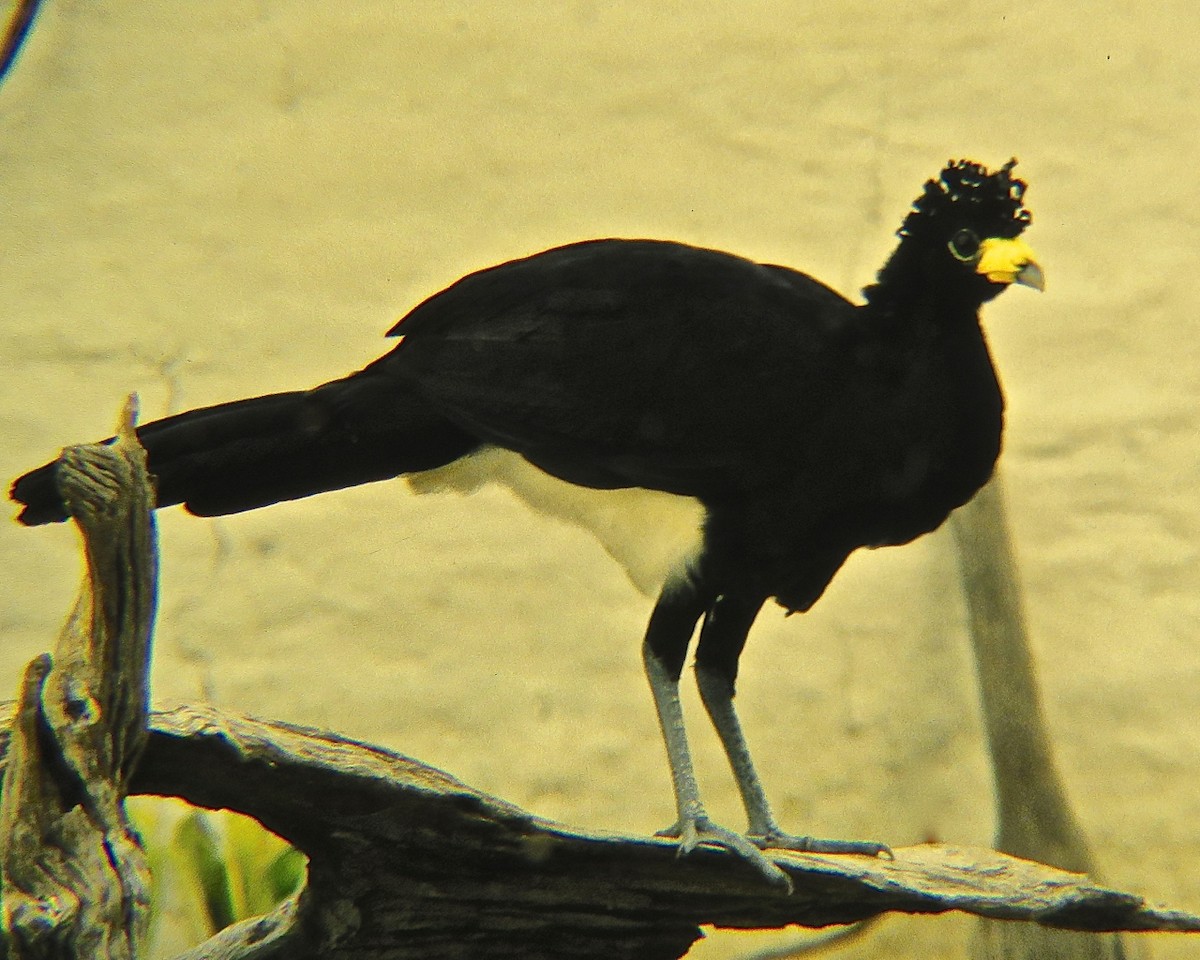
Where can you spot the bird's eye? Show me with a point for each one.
(965, 245)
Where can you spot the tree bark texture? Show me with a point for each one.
(75, 879)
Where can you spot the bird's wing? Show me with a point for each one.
(634, 363)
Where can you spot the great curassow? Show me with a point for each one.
(731, 431)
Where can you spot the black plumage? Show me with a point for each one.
(804, 426)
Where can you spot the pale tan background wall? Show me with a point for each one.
(204, 200)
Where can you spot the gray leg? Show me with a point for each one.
(718, 701)
(663, 654)
(665, 691)
(721, 641)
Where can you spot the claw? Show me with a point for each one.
(693, 831)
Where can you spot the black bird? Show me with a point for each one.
(731, 431)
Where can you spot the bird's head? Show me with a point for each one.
(963, 237)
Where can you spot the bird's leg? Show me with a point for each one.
(721, 641)
(663, 654)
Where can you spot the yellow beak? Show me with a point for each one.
(1004, 260)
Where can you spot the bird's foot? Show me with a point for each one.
(694, 830)
(772, 838)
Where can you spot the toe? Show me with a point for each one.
(702, 830)
(775, 839)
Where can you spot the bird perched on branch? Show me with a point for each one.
(731, 431)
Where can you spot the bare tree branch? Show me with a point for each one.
(75, 881)
(406, 861)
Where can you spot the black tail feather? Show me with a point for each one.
(249, 453)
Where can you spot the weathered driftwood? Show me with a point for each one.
(75, 881)
(1034, 818)
(406, 861)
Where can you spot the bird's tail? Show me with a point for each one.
(250, 453)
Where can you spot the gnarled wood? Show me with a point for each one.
(75, 880)
(406, 861)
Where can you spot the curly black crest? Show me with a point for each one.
(970, 189)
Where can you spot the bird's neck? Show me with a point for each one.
(936, 327)
(910, 288)
(919, 315)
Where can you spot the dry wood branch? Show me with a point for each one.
(406, 861)
(75, 880)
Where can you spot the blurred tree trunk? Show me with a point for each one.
(1034, 818)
